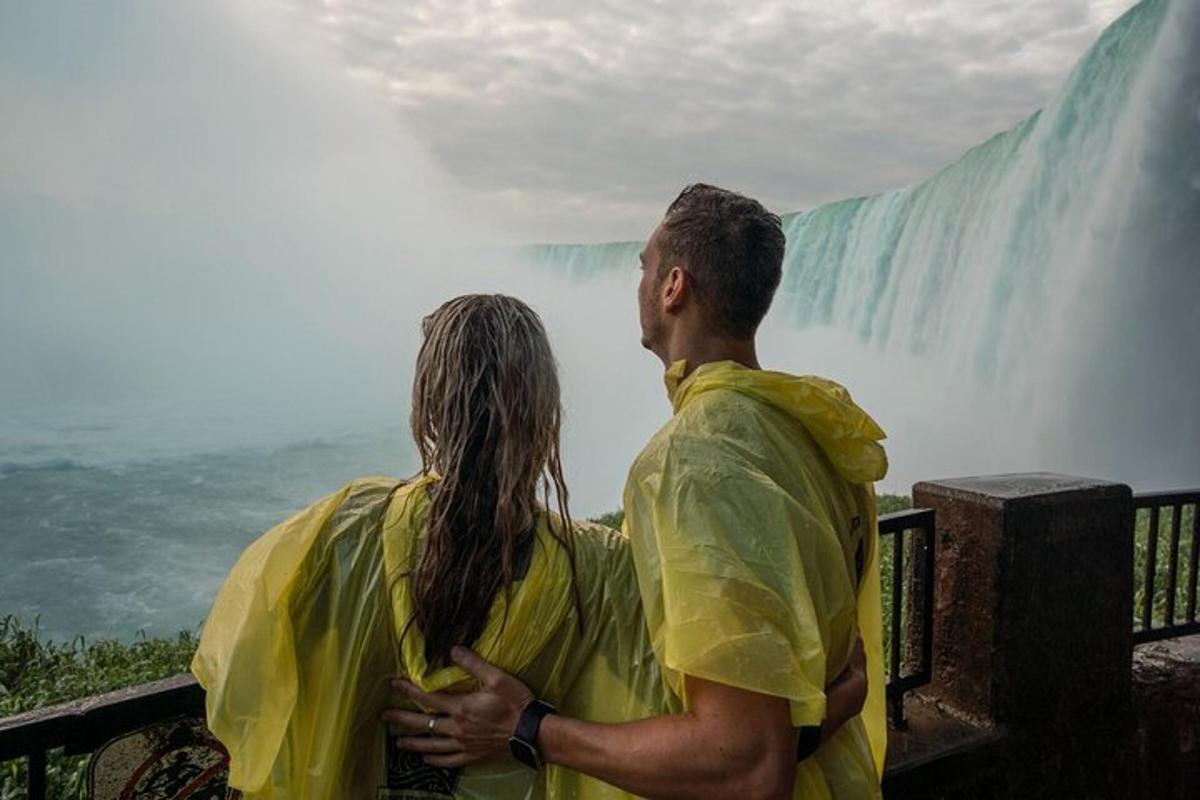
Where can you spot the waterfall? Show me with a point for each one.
(1053, 270)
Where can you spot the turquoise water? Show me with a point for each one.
(1034, 305)
(98, 548)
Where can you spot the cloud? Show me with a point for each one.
(579, 121)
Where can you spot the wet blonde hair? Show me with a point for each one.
(486, 417)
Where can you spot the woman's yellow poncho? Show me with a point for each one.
(304, 638)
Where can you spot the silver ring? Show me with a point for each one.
(432, 722)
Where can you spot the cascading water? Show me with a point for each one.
(200, 352)
(1044, 289)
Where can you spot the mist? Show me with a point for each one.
(219, 247)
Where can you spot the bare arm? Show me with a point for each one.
(744, 740)
(731, 742)
(845, 697)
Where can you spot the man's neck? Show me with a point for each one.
(697, 351)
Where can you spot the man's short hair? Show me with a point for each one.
(732, 248)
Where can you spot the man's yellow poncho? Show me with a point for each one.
(752, 520)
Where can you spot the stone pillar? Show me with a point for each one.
(1033, 612)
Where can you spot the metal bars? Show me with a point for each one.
(912, 583)
(1161, 620)
(83, 725)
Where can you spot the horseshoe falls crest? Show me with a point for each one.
(1035, 304)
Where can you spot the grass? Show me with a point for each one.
(35, 673)
(1141, 554)
(888, 504)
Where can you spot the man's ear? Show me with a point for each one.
(676, 287)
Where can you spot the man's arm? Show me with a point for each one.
(731, 742)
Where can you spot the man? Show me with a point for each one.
(752, 522)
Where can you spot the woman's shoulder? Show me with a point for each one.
(359, 505)
(598, 536)
(602, 555)
(370, 491)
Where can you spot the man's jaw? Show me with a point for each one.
(656, 348)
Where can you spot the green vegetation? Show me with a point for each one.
(891, 503)
(35, 673)
(1141, 552)
(612, 519)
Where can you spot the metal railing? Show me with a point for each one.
(909, 627)
(82, 726)
(1158, 612)
(1166, 535)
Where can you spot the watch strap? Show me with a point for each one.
(808, 739)
(523, 742)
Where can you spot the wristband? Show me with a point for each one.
(807, 742)
(523, 742)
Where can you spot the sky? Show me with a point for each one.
(580, 121)
(555, 121)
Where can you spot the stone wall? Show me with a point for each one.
(1037, 691)
(1165, 746)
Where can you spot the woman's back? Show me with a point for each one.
(601, 667)
(383, 578)
(314, 622)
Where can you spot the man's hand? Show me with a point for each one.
(748, 738)
(847, 694)
(467, 728)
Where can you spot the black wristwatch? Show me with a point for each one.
(523, 742)
(807, 741)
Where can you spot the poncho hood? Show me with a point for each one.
(846, 433)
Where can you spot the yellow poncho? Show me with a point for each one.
(302, 641)
(752, 519)
(739, 522)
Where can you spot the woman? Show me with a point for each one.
(384, 577)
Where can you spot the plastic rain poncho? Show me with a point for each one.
(305, 635)
(752, 519)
